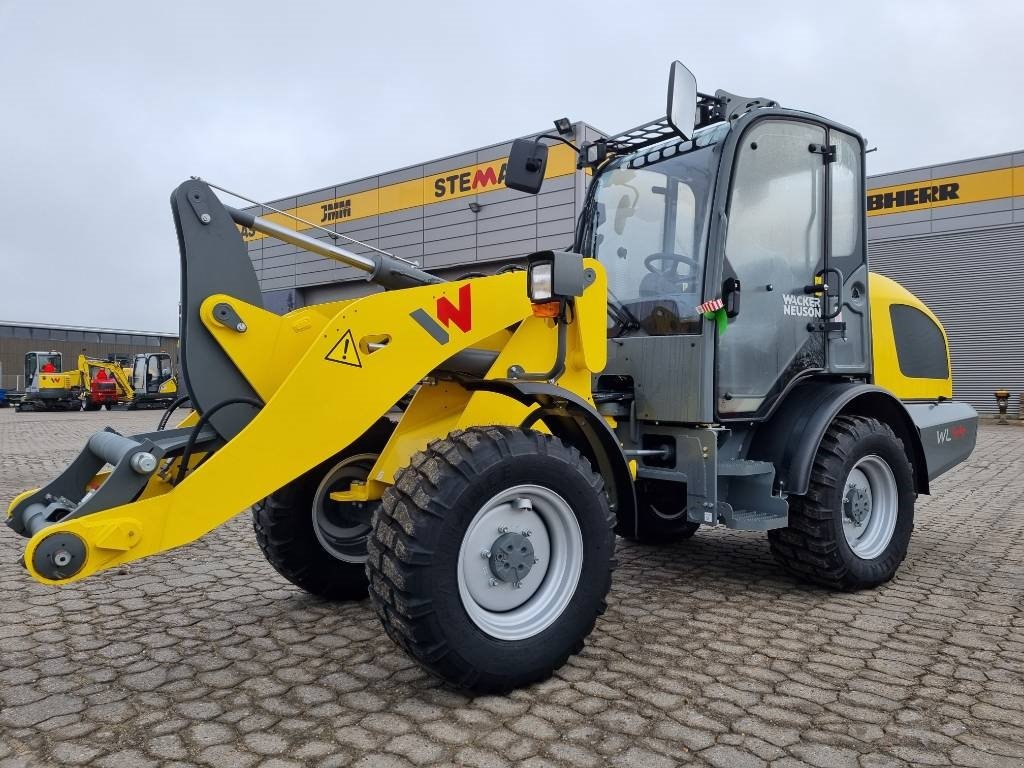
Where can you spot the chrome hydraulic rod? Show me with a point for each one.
(387, 271)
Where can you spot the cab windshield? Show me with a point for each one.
(647, 223)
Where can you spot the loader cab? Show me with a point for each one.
(36, 362)
(764, 212)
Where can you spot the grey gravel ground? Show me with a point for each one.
(708, 655)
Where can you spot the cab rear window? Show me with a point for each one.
(920, 346)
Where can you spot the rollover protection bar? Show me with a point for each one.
(390, 272)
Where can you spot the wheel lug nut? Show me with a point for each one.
(527, 532)
(502, 529)
(493, 582)
(485, 554)
(517, 584)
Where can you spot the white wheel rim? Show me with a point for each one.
(870, 507)
(501, 608)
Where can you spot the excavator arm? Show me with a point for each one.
(115, 371)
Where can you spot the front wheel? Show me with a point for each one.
(852, 528)
(491, 557)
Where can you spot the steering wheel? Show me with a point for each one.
(669, 262)
(669, 271)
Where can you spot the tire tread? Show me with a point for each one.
(417, 500)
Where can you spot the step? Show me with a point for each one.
(744, 468)
(752, 520)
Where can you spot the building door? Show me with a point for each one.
(774, 258)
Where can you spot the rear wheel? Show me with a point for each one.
(852, 528)
(316, 543)
(661, 513)
(491, 557)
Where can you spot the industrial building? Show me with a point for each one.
(954, 235)
(951, 233)
(18, 338)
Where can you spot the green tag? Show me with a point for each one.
(721, 320)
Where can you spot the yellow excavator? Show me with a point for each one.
(104, 383)
(48, 387)
(148, 382)
(713, 351)
(153, 382)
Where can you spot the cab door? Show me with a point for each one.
(774, 266)
(139, 375)
(31, 368)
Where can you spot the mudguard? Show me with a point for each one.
(790, 437)
(574, 420)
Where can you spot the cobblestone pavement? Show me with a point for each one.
(708, 655)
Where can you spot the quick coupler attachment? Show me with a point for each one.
(78, 492)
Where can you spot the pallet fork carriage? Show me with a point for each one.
(555, 406)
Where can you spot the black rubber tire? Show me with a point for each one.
(284, 529)
(417, 535)
(668, 527)
(814, 546)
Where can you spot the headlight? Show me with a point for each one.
(540, 286)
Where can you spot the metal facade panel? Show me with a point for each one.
(899, 177)
(526, 218)
(458, 216)
(970, 209)
(449, 163)
(396, 241)
(431, 221)
(973, 222)
(972, 166)
(327, 193)
(507, 235)
(511, 249)
(503, 208)
(555, 242)
(446, 257)
(967, 278)
(452, 230)
(893, 219)
(467, 242)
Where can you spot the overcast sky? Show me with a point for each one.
(106, 106)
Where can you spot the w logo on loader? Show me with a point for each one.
(447, 313)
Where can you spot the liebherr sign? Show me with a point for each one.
(946, 191)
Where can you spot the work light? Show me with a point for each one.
(540, 281)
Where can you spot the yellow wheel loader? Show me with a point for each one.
(713, 352)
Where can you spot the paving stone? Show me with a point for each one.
(708, 653)
(724, 756)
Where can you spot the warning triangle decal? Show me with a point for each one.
(345, 351)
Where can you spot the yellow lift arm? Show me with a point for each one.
(324, 375)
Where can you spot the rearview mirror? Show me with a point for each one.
(682, 100)
(526, 165)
